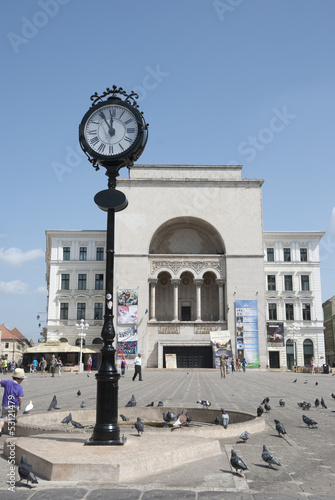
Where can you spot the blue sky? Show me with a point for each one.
(246, 82)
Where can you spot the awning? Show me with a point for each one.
(53, 348)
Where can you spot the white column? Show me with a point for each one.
(220, 283)
(198, 283)
(175, 283)
(153, 282)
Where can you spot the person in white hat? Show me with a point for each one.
(12, 397)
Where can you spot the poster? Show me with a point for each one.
(247, 331)
(127, 304)
(128, 334)
(127, 298)
(275, 333)
(221, 344)
(127, 315)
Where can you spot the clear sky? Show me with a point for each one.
(246, 82)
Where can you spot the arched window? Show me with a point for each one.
(308, 352)
(97, 340)
(78, 342)
(63, 339)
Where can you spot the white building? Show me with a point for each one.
(189, 252)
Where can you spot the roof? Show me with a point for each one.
(14, 334)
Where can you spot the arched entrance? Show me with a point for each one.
(308, 351)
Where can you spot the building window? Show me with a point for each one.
(270, 254)
(306, 312)
(99, 281)
(65, 282)
(66, 253)
(81, 310)
(303, 254)
(83, 253)
(305, 283)
(98, 310)
(289, 312)
(287, 255)
(6, 345)
(100, 253)
(272, 311)
(271, 282)
(82, 278)
(64, 310)
(288, 283)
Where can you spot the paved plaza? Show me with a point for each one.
(306, 455)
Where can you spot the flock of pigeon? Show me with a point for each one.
(183, 419)
(238, 464)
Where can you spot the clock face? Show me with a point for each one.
(111, 130)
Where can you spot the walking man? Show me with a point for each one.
(223, 366)
(138, 367)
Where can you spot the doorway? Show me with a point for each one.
(274, 359)
(185, 313)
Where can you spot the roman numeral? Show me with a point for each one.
(131, 130)
(101, 148)
(94, 141)
(121, 147)
(128, 121)
(127, 139)
(92, 132)
(121, 114)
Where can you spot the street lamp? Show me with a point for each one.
(294, 330)
(81, 326)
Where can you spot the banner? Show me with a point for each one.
(275, 334)
(247, 331)
(127, 304)
(221, 344)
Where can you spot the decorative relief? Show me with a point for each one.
(203, 329)
(176, 266)
(168, 329)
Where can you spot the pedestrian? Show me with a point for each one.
(313, 365)
(12, 397)
(244, 363)
(123, 365)
(237, 365)
(59, 366)
(89, 364)
(4, 365)
(53, 364)
(138, 367)
(35, 366)
(227, 365)
(43, 365)
(223, 366)
(13, 366)
(31, 368)
(232, 365)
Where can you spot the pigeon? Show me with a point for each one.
(265, 400)
(306, 382)
(79, 393)
(139, 426)
(279, 427)
(267, 407)
(237, 462)
(323, 404)
(169, 416)
(317, 402)
(28, 408)
(67, 420)
(309, 422)
(316, 383)
(83, 404)
(181, 419)
(306, 406)
(294, 381)
(224, 418)
(281, 402)
(132, 401)
(53, 404)
(245, 436)
(188, 418)
(160, 403)
(303, 404)
(125, 419)
(150, 404)
(26, 472)
(333, 395)
(77, 425)
(260, 411)
(204, 402)
(269, 458)
(217, 421)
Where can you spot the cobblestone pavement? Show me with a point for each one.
(306, 455)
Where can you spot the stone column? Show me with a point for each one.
(220, 283)
(198, 283)
(175, 282)
(153, 282)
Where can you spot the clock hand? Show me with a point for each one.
(111, 129)
(102, 115)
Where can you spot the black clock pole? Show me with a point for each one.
(112, 134)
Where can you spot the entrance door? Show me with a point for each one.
(190, 357)
(274, 359)
(185, 313)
